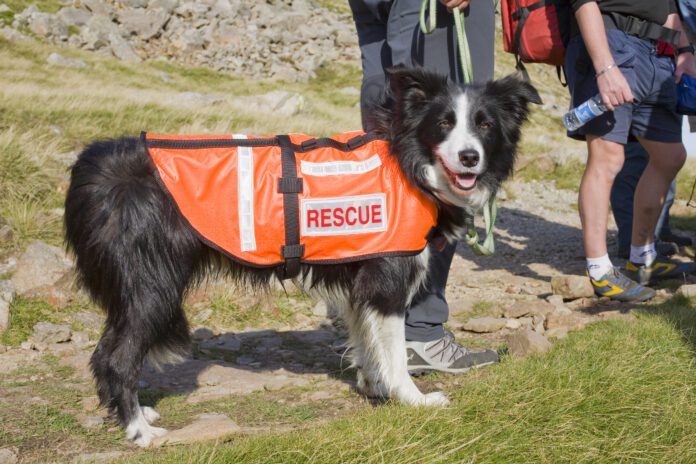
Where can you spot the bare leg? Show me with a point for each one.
(666, 159)
(604, 162)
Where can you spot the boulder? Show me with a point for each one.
(525, 341)
(41, 265)
(122, 49)
(73, 16)
(206, 427)
(97, 32)
(572, 287)
(485, 324)
(46, 332)
(144, 23)
(47, 25)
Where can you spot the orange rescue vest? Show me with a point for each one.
(293, 198)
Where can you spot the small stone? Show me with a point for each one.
(91, 422)
(57, 59)
(90, 320)
(525, 341)
(227, 342)
(8, 456)
(527, 307)
(41, 265)
(6, 234)
(538, 323)
(206, 427)
(202, 334)
(513, 324)
(80, 339)
(688, 290)
(572, 287)
(46, 332)
(556, 300)
(572, 321)
(485, 324)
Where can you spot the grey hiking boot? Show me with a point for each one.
(446, 355)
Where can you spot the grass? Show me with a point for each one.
(615, 392)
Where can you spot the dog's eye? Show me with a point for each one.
(485, 125)
(445, 124)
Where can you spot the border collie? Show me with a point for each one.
(137, 256)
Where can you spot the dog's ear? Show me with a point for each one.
(515, 93)
(415, 84)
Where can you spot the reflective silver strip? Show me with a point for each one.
(245, 196)
(332, 168)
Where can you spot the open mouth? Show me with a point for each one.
(464, 181)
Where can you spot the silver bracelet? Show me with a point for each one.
(613, 65)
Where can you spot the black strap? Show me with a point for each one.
(640, 28)
(290, 185)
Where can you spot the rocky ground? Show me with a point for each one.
(284, 39)
(251, 352)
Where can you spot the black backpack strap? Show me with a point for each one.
(290, 185)
(640, 28)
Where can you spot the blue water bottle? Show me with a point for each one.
(583, 113)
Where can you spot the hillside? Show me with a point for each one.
(614, 382)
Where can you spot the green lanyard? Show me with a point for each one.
(490, 210)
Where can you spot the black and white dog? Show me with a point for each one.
(137, 256)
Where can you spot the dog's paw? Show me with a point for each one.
(435, 399)
(151, 416)
(142, 433)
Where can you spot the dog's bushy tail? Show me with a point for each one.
(135, 256)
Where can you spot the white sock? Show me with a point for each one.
(644, 254)
(597, 267)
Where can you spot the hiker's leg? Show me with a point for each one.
(370, 18)
(665, 161)
(604, 161)
(622, 191)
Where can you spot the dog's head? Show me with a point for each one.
(456, 143)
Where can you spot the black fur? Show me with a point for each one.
(137, 256)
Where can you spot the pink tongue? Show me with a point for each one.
(466, 181)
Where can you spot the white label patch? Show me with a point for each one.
(332, 168)
(358, 214)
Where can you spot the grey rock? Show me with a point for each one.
(226, 342)
(525, 341)
(122, 49)
(144, 23)
(91, 422)
(6, 233)
(8, 456)
(206, 427)
(189, 40)
(74, 16)
(528, 307)
(11, 34)
(46, 332)
(513, 324)
(96, 33)
(41, 265)
(7, 291)
(4, 8)
(485, 324)
(99, 7)
(94, 458)
(167, 5)
(193, 99)
(134, 3)
(47, 25)
(572, 287)
(279, 103)
(191, 9)
(57, 59)
(89, 320)
(4, 315)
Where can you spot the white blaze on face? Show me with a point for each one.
(462, 137)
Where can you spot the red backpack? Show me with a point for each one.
(536, 31)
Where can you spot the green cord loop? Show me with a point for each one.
(490, 209)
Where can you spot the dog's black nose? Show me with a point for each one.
(469, 158)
